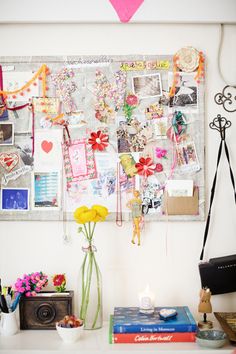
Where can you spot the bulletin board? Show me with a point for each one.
(90, 130)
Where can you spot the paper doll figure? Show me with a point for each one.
(205, 307)
(135, 205)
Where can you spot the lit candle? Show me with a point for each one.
(146, 301)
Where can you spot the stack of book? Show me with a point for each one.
(128, 325)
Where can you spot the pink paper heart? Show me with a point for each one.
(46, 146)
(126, 8)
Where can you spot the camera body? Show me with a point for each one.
(45, 309)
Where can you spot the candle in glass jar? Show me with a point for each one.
(146, 301)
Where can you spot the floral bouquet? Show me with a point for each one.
(31, 283)
(28, 285)
(90, 285)
(59, 281)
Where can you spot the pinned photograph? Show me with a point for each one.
(133, 137)
(6, 134)
(23, 144)
(146, 86)
(187, 159)
(22, 118)
(159, 127)
(15, 199)
(46, 190)
(186, 94)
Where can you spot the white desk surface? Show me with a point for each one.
(93, 342)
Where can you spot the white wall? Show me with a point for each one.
(168, 256)
(90, 11)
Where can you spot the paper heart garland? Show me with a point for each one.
(9, 160)
(126, 8)
(46, 146)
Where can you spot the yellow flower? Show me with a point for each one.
(87, 216)
(101, 212)
(97, 213)
(78, 212)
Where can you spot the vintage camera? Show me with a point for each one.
(45, 309)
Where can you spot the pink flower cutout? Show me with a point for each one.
(145, 167)
(161, 153)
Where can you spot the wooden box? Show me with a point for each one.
(45, 309)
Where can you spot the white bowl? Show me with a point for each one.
(211, 338)
(69, 335)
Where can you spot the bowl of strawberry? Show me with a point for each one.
(70, 328)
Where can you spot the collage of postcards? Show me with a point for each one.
(124, 131)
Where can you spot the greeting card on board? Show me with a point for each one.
(48, 156)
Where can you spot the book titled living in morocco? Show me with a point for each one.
(130, 320)
(142, 338)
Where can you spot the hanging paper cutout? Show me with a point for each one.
(126, 8)
(9, 161)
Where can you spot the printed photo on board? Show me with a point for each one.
(6, 134)
(187, 159)
(22, 118)
(14, 199)
(23, 144)
(186, 94)
(46, 190)
(146, 86)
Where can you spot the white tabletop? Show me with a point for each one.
(92, 342)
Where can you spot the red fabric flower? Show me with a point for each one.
(145, 166)
(98, 140)
(159, 167)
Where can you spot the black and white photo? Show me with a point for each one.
(186, 93)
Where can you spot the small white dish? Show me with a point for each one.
(165, 314)
(69, 335)
(211, 338)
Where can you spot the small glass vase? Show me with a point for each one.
(90, 290)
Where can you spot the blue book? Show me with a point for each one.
(130, 320)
